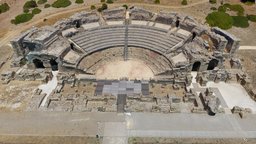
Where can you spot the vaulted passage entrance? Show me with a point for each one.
(212, 64)
(196, 66)
(54, 65)
(38, 63)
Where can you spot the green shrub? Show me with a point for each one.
(213, 1)
(41, 1)
(219, 19)
(47, 5)
(240, 21)
(13, 21)
(251, 18)
(22, 18)
(61, 3)
(157, 2)
(99, 9)
(36, 11)
(93, 7)
(4, 8)
(184, 2)
(125, 6)
(222, 9)
(30, 4)
(102, 1)
(213, 8)
(236, 7)
(104, 6)
(79, 1)
(109, 1)
(26, 10)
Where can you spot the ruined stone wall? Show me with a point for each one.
(233, 42)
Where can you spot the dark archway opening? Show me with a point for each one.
(210, 112)
(212, 64)
(193, 35)
(78, 25)
(72, 46)
(54, 65)
(38, 63)
(196, 66)
(177, 23)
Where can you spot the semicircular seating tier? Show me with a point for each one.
(148, 37)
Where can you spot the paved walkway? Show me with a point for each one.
(247, 48)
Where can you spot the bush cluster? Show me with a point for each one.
(109, 1)
(30, 4)
(213, 1)
(240, 21)
(236, 7)
(157, 2)
(4, 8)
(36, 11)
(61, 3)
(22, 18)
(79, 1)
(125, 6)
(103, 7)
(41, 1)
(251, 18)
(223, 20)
(93, 7)
(184, 2)
(47, 5)
(219, 19)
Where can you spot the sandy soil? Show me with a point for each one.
(48, 140)
(16, 95)
(119, 69)
(248, 59)
(136, 140)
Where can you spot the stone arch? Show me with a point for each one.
(54, 65)
(193, 35)
(177, 23)
(38, 63)
(72, 46)
(78, 24)
(196, 66)
(212, 64)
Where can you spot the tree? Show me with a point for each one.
(109, 1)
(184, 2)
(125, 6)
(104, 6)
(213, 1)
(157, 1)
(79, 1)
(93, 7)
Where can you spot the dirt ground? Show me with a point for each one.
(248, 59)
(136, 140)
(160, 90)
(133, 69)
(16, 95)
(47, 140)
